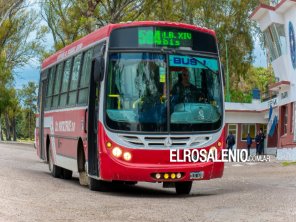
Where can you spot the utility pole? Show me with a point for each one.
(227, 97)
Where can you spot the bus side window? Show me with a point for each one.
(43, 76)
(50, 87)
(65, 83)
(74, 80)
(56, 89)
(85, 77)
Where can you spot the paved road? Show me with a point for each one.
(247, 192)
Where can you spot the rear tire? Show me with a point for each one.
(67, 174)
(55, 171)
(183, 187)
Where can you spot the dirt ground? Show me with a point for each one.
(247, 192)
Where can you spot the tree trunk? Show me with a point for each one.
(29, 124)
(8, 133)
(1, 135)
(14, 128)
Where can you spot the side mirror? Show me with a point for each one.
(98, 67)
(223, 74)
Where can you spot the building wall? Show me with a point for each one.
(286, 140)
(284, 13)
(270, 142)
(245, 117)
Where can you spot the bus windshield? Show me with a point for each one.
(163, 93)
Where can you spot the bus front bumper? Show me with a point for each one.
(125, 171)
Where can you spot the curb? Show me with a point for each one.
(18, 143)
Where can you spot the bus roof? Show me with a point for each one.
(105, 32)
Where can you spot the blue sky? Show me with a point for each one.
(31, 71)
(27, 73)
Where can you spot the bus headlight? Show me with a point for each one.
(117, 152)
(213, 149)
(127, 156)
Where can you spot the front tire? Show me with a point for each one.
(96, 185)
(183, 187)
(55, 171)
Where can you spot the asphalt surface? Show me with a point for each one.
(247, 192)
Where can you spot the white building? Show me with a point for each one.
(278, 23)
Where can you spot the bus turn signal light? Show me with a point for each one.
(109, 145)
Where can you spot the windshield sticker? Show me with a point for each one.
(193, 62)
(162, 74)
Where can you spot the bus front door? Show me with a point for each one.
(93, 114)
(92, 131)
(42, 93)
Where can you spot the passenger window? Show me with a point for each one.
(75, 72)
(57, 85)
(74, 80)
(50, 87)
(85, 77)
(65, 83)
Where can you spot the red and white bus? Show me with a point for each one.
(107, 107)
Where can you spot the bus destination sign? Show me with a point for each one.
(164, 37)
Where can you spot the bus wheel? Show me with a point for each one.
(55, 171)
(67, 174)
(82, 167)
(96, 185)
(183, 187)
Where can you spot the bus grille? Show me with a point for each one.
(165, 141)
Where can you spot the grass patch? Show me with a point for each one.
(289, 163)
(26, 140)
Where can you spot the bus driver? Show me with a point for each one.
(185, 92)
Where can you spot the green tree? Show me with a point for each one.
(10, 113)
(69, 20)
(20, 41)
(28, 98)
(257, 77)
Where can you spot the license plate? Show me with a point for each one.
(197, 175)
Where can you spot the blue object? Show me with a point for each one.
(292, 44)
(270, 113)
(256, 93)
(272, 128)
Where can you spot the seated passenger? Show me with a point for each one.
(185, 92)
